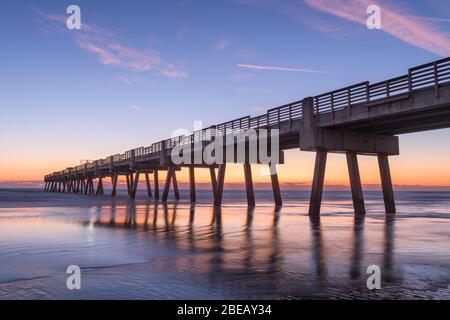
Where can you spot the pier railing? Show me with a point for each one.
(430, 75)
(434, 74)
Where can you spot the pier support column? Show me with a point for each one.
(88, 186)
(149, 187)
(175, 185)
(59, 186)
(386, 183)
(99, 187)
(92, 186)
(219, 183)
(128, 184)
(114, 179)
(165, 194)
(249, 185)
(212, 173)
(192, 191)
(276, 188)
(317, 183)
(156, 182)
(355, 183)
(135, 185)
(82, 187)
(131, 182)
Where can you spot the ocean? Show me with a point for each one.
(145, 250)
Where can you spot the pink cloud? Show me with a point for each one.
(421, 33)
(104, 44)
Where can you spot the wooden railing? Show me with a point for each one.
(434, 74)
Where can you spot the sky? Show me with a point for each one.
(138, 70)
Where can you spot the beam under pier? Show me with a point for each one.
(135, 186)
(212, 173)
(386, 183)
(99, 187)
(88, 186)
(175, 185)
(249, 185)
(147, 182)
(165, 194)
(276, 188)
(128, 184)
(219, 184)
(317, 183)
(355, 183)
(92, 186)
(192, 193)
(156, 182)
(114, 179)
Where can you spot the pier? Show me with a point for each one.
(362, 119)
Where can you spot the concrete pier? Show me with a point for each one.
(361, 119)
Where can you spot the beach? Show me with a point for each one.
(145, 250)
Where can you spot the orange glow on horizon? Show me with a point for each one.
(297, 170)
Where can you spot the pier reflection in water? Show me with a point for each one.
(262, 253)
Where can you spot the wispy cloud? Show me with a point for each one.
(222, 44)
(125, 80)
(399, 22)
(242, 77)
(299, 12)
(172, 73)
(256, 109)
(273, 68)
(419, 32)
(109, 50)
(432, 19)
(135, 107)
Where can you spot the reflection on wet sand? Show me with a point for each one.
(151, 251)
(239, 248)
(317, 250)
(358, 246)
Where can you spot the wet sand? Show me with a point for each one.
(144, 250)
